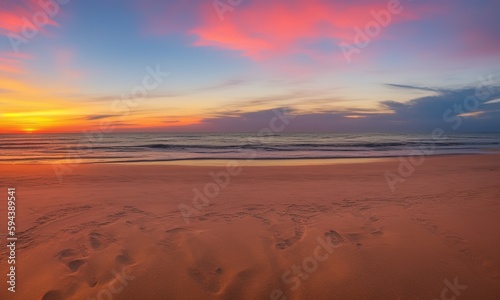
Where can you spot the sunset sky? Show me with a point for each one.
(230, 63)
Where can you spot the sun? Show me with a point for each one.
(29, 130)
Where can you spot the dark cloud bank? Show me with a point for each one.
(469, 109)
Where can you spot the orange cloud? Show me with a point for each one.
(8, 66)
(11, 62)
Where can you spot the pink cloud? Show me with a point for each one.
(268, 29)
(14, 15)
(279, 32)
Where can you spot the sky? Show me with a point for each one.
(232, 65)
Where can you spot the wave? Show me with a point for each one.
(170, 147)
(277, 147)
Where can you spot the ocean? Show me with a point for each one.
(161, 147)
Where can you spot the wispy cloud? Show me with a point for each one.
(98, 117)
(224, 85)
(412, 87)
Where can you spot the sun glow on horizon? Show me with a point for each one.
(29, 130)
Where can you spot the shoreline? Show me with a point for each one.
(282, 161)
(258, 161)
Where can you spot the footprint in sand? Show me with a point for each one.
(285, 244)
(100, 241)
(433, 228)
(67, 256)
(53, 295)
(208, 278)
(299, 231)
(66, 253)
(92, 281)
(462, 245)
(169, 241)
(455, 239)
(334, 237)
(95, 243)
(124, 258)
(76, 264)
